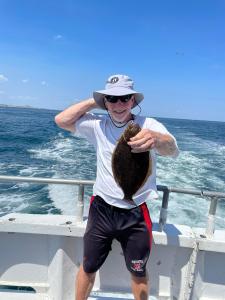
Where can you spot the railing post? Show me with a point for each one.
(163, 211)
(210, 227)
(80, 203)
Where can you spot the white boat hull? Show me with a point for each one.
(45, 251)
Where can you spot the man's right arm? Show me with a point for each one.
(67, 118)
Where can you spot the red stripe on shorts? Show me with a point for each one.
(92, 199)
(147, 219)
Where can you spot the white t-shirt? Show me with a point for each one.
(103, 134)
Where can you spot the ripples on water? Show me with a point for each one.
(32, 145)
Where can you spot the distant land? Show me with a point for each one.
(32, 107)
(22, 106)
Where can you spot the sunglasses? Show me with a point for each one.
(114, 99)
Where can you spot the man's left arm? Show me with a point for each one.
(147, 139)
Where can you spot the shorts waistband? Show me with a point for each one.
(101, 201)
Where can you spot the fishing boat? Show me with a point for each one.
(41, 254)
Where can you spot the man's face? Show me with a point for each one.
(120, 109)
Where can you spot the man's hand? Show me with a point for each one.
(147, 139)
(143, 141)
(67, 118)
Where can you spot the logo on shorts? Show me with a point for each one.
(137, 265)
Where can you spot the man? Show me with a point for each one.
(106, 215)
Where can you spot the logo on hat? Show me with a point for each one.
(114, 79)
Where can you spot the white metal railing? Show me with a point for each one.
(212, 196)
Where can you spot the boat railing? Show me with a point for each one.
(213, 197)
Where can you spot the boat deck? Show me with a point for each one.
(26, 296)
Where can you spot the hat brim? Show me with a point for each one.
(99, 95)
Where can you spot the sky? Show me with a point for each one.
(55, 53)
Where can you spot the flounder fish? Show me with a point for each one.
(130, 170)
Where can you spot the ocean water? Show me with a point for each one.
(32, 145)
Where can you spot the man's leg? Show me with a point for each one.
(84, 284)
(140, 287)
(97, 244)
(136, 244)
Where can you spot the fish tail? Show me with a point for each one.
(128, 198)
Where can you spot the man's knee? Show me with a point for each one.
(140, 279)
(90, 268)
(88, 275)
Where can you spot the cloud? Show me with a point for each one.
(25, 80)
(58, 37)
(3, 78)
(44, 83)
(2, 92)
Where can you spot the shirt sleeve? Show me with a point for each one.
(85, 127)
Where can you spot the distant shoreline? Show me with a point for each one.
(17, 106)
(24, 106)
(97, 112)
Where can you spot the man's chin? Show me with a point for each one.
(120, 118)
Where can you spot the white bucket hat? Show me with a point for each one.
(117, 85)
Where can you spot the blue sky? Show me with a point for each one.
(54, 53)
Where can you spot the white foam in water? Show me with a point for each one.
(64, 197)
(221, 150)
(48, 154)
(29, 171)
(66, 160)
(56, 150)
(13, 203)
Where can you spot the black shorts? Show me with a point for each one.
(131, 227)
